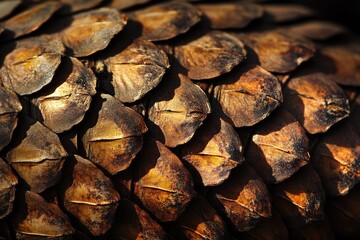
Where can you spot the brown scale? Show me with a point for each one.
(8, 182)
(166, 20)
(89, 195)
(134, 71)
(29, 20)
(243, 198)
(214, 151)
(62, 106)
(161, 182)
(247, 95)
(34, 218)
(336, 158)
(37, 155)
(31, 64)
(113, 136)
(10, 106)
(176, 109)
(300, 199)
(278, 148)
(210, 55)
(232, 15)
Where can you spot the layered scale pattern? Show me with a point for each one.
(140, 119)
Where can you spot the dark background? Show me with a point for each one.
(345, 12)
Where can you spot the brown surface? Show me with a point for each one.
(123, 4)
(211, 55)
(31, 64)
(8, 182)
(34, 217)
(277, 52)
(176, 110)
(166, 20)
(214, 151)
(300, 199)
(72, 6)
(63, 106)
(136, 70)
(279, 147)
(7, 6)
(248, 95)
(9, 108)
(315, 101)
(37, 157)
(90, 196)
(244, 198)
(336, 158)
(114, 137)
(315, 30)
(30, 19)
(279, 13)
(88, 32)
(230, 15)
(162, 183)
(345, 63)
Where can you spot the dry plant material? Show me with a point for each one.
(315, 30)
(300, 199)
(35, 218)
(64, 105)
(123, 4)
(8, 182)
(136, 70)
(72, 6)
(89, 32)
(345, 63)
(278, 52)
(132, 222)
(31, 65)
(176, 110)
(336, 158)
(230, 15)
(30, 20)
(315, 101)
(90, 196)
(9, 108)
(210, 55)
(243, 198)
(278, 148)
(248, 95)
(315, 230)
(214, 151)
(270, 229)
(344, 214)
(7, 6)
(162, 183)
(200, 221)
(280, 13)
(114, 137)
(37, 155)
(166, 20)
